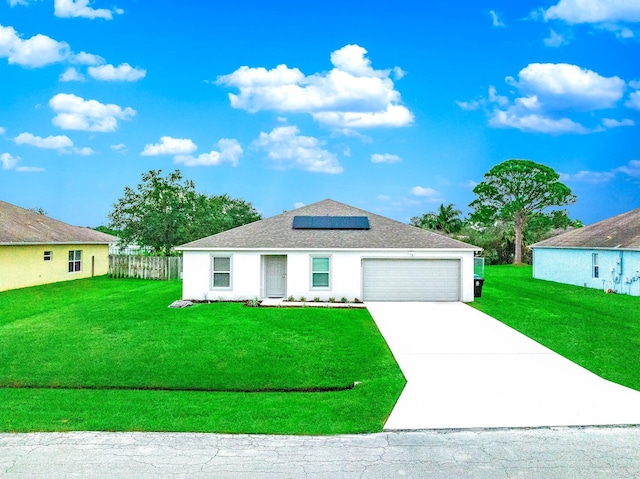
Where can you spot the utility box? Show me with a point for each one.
(477, 286)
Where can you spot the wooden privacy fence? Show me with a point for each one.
(145, 267)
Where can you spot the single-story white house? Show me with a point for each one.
(603, 255)
(328, 250)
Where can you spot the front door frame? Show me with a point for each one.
(267, 290)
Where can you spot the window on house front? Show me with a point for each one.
(320, 271)
(596, 268)
(221, 266)
(48, 255)
(75, 261)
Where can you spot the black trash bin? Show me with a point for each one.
(477, 286)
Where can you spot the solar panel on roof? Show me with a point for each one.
(331, 223)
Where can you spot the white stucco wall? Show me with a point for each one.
(617, 268)
(346, 273)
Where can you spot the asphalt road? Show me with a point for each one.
(549, 453)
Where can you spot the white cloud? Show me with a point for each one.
(2, 130)
(119, 148)
(84, 151)
(495, 98)
(10, 162)
(632, 169)
(170, 146)
(81, 8)
(586, 176)
(76, 113)
(40, 50)
(469, 184)
(298, 204)
(609, 15)
(551, 93)
(594, 11)
(633, 101)
(383, 197)
(470, 105)
(84, 58)
(62, 143)
(36, 51)
(51, 142)
(399, 73)
(562, 86)
(429, 193)
(495, 19)
(535, 123)
(123, 72)
(612, 123)
(351, 95)
(384, 158)
(71, 74)
(555, 39)
(13, 3)
(393, 116)
(230, 152)
(288, 149)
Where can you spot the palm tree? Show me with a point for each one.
(448, 219)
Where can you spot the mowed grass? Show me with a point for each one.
(598, 331)
(106, 354)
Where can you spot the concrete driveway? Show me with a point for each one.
(465, 369)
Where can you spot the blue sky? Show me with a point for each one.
(394, 107)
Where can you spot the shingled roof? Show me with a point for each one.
(618, 232)
(277, 232)
(21, 226)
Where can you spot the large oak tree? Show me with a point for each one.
(515, 191)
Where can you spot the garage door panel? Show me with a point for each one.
(411, 279)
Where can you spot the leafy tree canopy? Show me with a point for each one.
(514, 191)
(107, 230)
(163, 212)
(446, 219)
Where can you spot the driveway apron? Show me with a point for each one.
(465, 369)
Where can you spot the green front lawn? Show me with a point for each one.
(598, 331)
(106, 354)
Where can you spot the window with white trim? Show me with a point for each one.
(75, 261)
(595, 266)
(221, 272)
(320, 272)
(48, 255)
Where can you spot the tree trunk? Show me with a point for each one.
(519, 221)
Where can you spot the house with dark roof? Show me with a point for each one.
(602, 255)
(36, 249)
(328, 250)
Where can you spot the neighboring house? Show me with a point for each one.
(328, 250)
(36, 249)
(603, 255)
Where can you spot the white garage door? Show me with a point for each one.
(411, 279)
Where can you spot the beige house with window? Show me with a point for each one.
(36, 249)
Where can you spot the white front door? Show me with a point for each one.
(275, 277)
